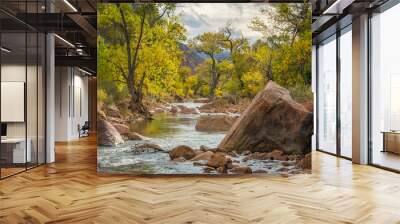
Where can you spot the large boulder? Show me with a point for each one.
(219, 122)
(182, 151)
(273, 120)
(122, 129)
(107, 135)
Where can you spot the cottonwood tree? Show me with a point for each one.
(237, 47)
(210, 43)
(284, 53)
(134, 33)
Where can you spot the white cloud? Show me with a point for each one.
(210, 17)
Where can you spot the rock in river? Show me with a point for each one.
(107, 135)
(219, 159)
(219, 122)
(241, 170)
(146, 148)
(273, 120)
(182, 151)
(203, 156)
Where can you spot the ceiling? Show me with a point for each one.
(73, 21)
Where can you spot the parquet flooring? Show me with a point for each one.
(71, 191)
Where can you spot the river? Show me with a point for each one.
(168, 131)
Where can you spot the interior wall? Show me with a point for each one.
(71, 102)
(15, 73)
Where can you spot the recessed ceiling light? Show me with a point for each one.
(65, 41)
(84, 71)
(5, 50)
(70, 5)
(337, 7)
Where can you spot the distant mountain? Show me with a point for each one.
(193, 58)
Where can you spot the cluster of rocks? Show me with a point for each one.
(273, 127)
(112, 128)
(212, 160)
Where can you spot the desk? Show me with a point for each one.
(391, 141)
(13, 150)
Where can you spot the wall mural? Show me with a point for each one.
(204, 88)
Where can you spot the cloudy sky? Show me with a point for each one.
(209, 17)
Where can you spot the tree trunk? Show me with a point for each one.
(214, 79)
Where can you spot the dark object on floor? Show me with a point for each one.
(84, 130)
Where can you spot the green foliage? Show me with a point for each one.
(285, 53)
(139, 54)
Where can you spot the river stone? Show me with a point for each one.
(203, 156)
(242, 170)
(182, 151)
(219, 122)
(107, 135)
(219, 159)
(273, 120)
(146, 148)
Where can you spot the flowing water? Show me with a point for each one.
(169, 131)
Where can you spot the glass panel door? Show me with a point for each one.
(385, 89)
(327, 95)
(346, 92)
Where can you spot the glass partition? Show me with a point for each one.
(346, 92)
(14, 146)
(385, 89)
(22, 88)
(327, 95)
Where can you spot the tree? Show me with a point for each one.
(237, 48)
(210, 44)
(141, 41)
(285, 21)
(284, 53)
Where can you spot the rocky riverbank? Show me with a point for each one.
(273, 136)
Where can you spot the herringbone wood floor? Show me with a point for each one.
(70, 191)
